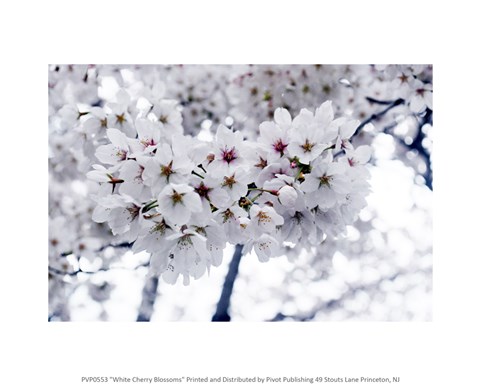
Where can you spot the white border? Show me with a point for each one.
(37, 33)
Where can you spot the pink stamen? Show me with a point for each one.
(280, 146)
(229, 155)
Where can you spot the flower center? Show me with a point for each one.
(279, 146)
(120, 118)
(262, 163)
(121, 154)
(307, 146)
(229, 155)
(227, 215)
(159, 227)
(133, 210)
(148, 142)
(176, 197)
(166, 170)
(229, 181)
(325, 180)
(263, 217)
(403, 78)
(203, 190)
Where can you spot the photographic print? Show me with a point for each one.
(240, 192)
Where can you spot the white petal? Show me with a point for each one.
(100, 176)
(151, 172)
(170, 276)
(326, 198)
(340, 184)
(100, 214)
(336, 168)
(144, 128)
(417, 104)
(428, 97)
(311, 184)
(282, 117)
(269, 132)
(348, 129)
(324, 114)
(277, 219)
(363, 153)
(107, 154)
(117, 138)
(91, 125)
(311, 199)
(179, 215)
(304, 118)
(223, 133)
(219, 198)
(164, 154)
(200, 245)
(192, 202)
(264, 247)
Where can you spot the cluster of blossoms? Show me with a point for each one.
(182, 199)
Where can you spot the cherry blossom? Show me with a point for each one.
(177, 202)
(228, 151)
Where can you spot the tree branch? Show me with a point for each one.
(417, 142)
(375, 116)
(223, 304)
(125, 244)
(149, 296)
(57, 271)
(417, 145)
(381, 102)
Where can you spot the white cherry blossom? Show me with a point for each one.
(326, 186)
(227, 152)
(116, 152)
(165, 167)
(177, 202)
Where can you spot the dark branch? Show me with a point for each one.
(375, 116)
(149, 296)
(417, 142)
(73, 273)
(417, 145)
(76, 272)
(381, 102)
(223, 305)
(125, 244)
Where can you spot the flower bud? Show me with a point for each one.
(287, 196)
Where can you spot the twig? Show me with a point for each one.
(73, 273)
(417, 145)
(375, 116)
(125, 244)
